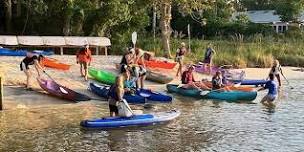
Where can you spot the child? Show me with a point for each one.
(272, 87)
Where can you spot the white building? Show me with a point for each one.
(269, 17)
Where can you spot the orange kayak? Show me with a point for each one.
(160, 64)
(53, 63)
(207, 84)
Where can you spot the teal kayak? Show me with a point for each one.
(218, 95)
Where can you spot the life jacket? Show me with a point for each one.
(181, 51)
(208, 53)
(84, 55)
(187, 77)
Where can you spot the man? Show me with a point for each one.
(117, 90)
(30, 59)
(272, 87)
(208, 58)
(84, 58)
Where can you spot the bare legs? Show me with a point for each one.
(267, 102)
(28, 76)
(180, 68)
(84, 70)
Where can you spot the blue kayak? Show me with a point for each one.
(251, 82)
(9, 52)
(141, 95)
(218, 95)
(133, 121)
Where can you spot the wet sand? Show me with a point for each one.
(15, 96)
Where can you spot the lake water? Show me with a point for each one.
(204, 125)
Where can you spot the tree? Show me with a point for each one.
(289, 10)
(185, 6)
(8, 15)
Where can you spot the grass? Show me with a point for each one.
(257, 51)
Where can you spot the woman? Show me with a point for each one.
(276, 70)
(208, 58)
(84, 58)
(217, 81)
(127, 58)
(179, 57)
(141, 69)
(31, 59)
(188, 79)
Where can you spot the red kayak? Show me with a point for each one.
(60, 91)
(55, 64)
(160, 64)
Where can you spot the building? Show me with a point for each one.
(270, 17)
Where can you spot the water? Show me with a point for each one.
(203, 126)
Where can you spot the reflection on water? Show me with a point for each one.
(203, 126)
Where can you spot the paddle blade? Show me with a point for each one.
(134, 38)
(203, 93)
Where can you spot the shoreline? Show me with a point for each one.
(15, 96)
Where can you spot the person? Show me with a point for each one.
(128, 57)
(188, 78)
(84, 58)
(31, 59)
(140, 70)
(179, 57)
(139, 73)
(272, 87)
(276, 70)
(217, 81)
(208, 58)
(117, 90)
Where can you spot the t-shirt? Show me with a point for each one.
(29, 60)
(272, 87)
(84, 55)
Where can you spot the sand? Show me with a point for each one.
(15, 96)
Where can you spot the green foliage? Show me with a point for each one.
(289, 10)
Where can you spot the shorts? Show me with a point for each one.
(113, 108)
(269, 97)
(84, 65)
(207, 60)
(179, 59)
(23, 66)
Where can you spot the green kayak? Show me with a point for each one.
(102, 76)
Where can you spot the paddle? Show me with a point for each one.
(127, 105)
(134, 38)
(49, 76)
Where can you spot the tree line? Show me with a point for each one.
(117, 19)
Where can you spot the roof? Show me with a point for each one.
(260, 16)
(54, 40)
(264, 16)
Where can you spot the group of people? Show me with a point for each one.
(133, 73)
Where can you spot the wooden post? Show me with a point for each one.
(97, 50)
(189, 38)
(106, 51)
(1, 94)
(61, 50)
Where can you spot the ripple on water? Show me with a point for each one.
(204, 125)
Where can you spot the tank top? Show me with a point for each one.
(181, 51)
(275, 70)
(29, 60)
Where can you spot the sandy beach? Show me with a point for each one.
(15, 96)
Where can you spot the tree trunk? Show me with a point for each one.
(8, 15)
(68, 12)
(165, 10)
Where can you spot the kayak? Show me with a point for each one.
(215, 94)
(9, 52)
(158, 77)
(42, 52)
(53, 63)
(141, 96)
(231, 74)
(251, 82)
(159, 64)
(60, 91)
(102, 91)
(133, 121)
(204, 85)
(102, 76)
